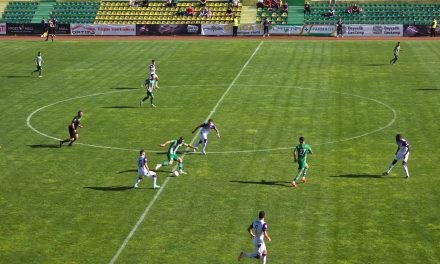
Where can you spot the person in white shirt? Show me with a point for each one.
(258, 232)
(144, 171)
(402, 153)
(204, 131)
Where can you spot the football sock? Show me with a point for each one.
(154, 180)
(204, 145)
(138, 180)
(297, 176)
(145, 98)
(305, 172)
(390, 167)
(405, 169)
(198, 143)
(263, 258)
(181, 166)
(151, 100)
(250, 255)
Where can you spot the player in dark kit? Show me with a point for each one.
(51, 31)
(266, 24)
(73, 127)
(339, 28)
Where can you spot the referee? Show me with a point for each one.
(51, 29)
(339, 28)
(73, 127)
(266, 24)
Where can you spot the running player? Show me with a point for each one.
(204, 131)
(39, 62)
(144, 171)
(258, 231)
(396, 52)
(401, 153)
(300, 155)
(150, 87)
(172, 153)
(73, 129)
(153, 71)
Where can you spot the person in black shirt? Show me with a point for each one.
(307, 8)
(339, 29)
(266, 24)
(51, 29)
(73, 129)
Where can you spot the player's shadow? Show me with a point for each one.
(428, 89)
(125, 171)
(120, 107)
(375, 64)
(359, 175)
(125, 88)
(44, 146)
(17, 76)
(263, 182)
(109, 188)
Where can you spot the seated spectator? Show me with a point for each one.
(235, 3)
(204, 12)
(260, 4)
(174, 3)
(145, 3)
(355, 9)
(190, 11)
(267, 3)
(132, 3)
(330, 13)
(181, 11)
(275, 4)
(229, 12)
(307, 8)
(168, 3)
(285, 8)
(202, 2)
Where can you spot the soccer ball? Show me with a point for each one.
(175, 173)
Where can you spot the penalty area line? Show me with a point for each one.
(152, 202)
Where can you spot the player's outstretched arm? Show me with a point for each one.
(195, 129)
(164, 144)
(189, 146)
(217, 131)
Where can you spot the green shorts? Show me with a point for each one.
(150, 93)
(302, 164)
(172, 157)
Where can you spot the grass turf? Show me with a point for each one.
(74, 205)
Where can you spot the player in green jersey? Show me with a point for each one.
(172, 153)
(150, 86)
(300, 155)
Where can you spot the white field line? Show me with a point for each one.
(147, 209)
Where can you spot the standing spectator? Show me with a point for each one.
(43, 25)
(229, 12)
(51, 29)
(307, 8)
(202, 3)
(260, 4)
(339, 28)
(330, 13)
(132, 3)
(235, 26)
(266, 24)
(168, 3)
(235, 3)
(190, 11)
(285, 7)
(433, 27)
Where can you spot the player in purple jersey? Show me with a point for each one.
(258, 232)
(73, 129)
(204, 131)
(401, 153)
(144, 171)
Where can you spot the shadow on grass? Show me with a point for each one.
(17, 76)
(376, 64)
(45, 146)
(125, 88)
(428, 89)
(263, 182)
(120, 107)
(360, 175)
(109, 188)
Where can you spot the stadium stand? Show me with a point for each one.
(19, 12)
(375, 13)
(75, 12)
(158, 13)
(276, 16)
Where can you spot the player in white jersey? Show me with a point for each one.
(396, 52)
(401, 153)
(204, 131)
(153, 72)
(144, 171)
(39, 63)
(258, 231)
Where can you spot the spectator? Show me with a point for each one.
(145, 3)
(132, 3)
(285, 7)
(204, 12)
(330, 13)
(190, 11)
(202, 3)
(235, 3)
(168, 3)
(43, 25)
(307, 8)
(268, 3)
(433, 27)
(355, 9)
(174, 3)
(260, 4)
(229, 12)
(181, 11)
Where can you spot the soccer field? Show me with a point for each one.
(76, 205)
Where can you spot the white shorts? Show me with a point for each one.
(146, 173)
(203, 136)
(260, 247)
(403, 155)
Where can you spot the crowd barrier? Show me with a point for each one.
(360, 30)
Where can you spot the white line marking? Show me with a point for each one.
(212, 112)
(147, 209)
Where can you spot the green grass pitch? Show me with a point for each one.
(74, 205)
